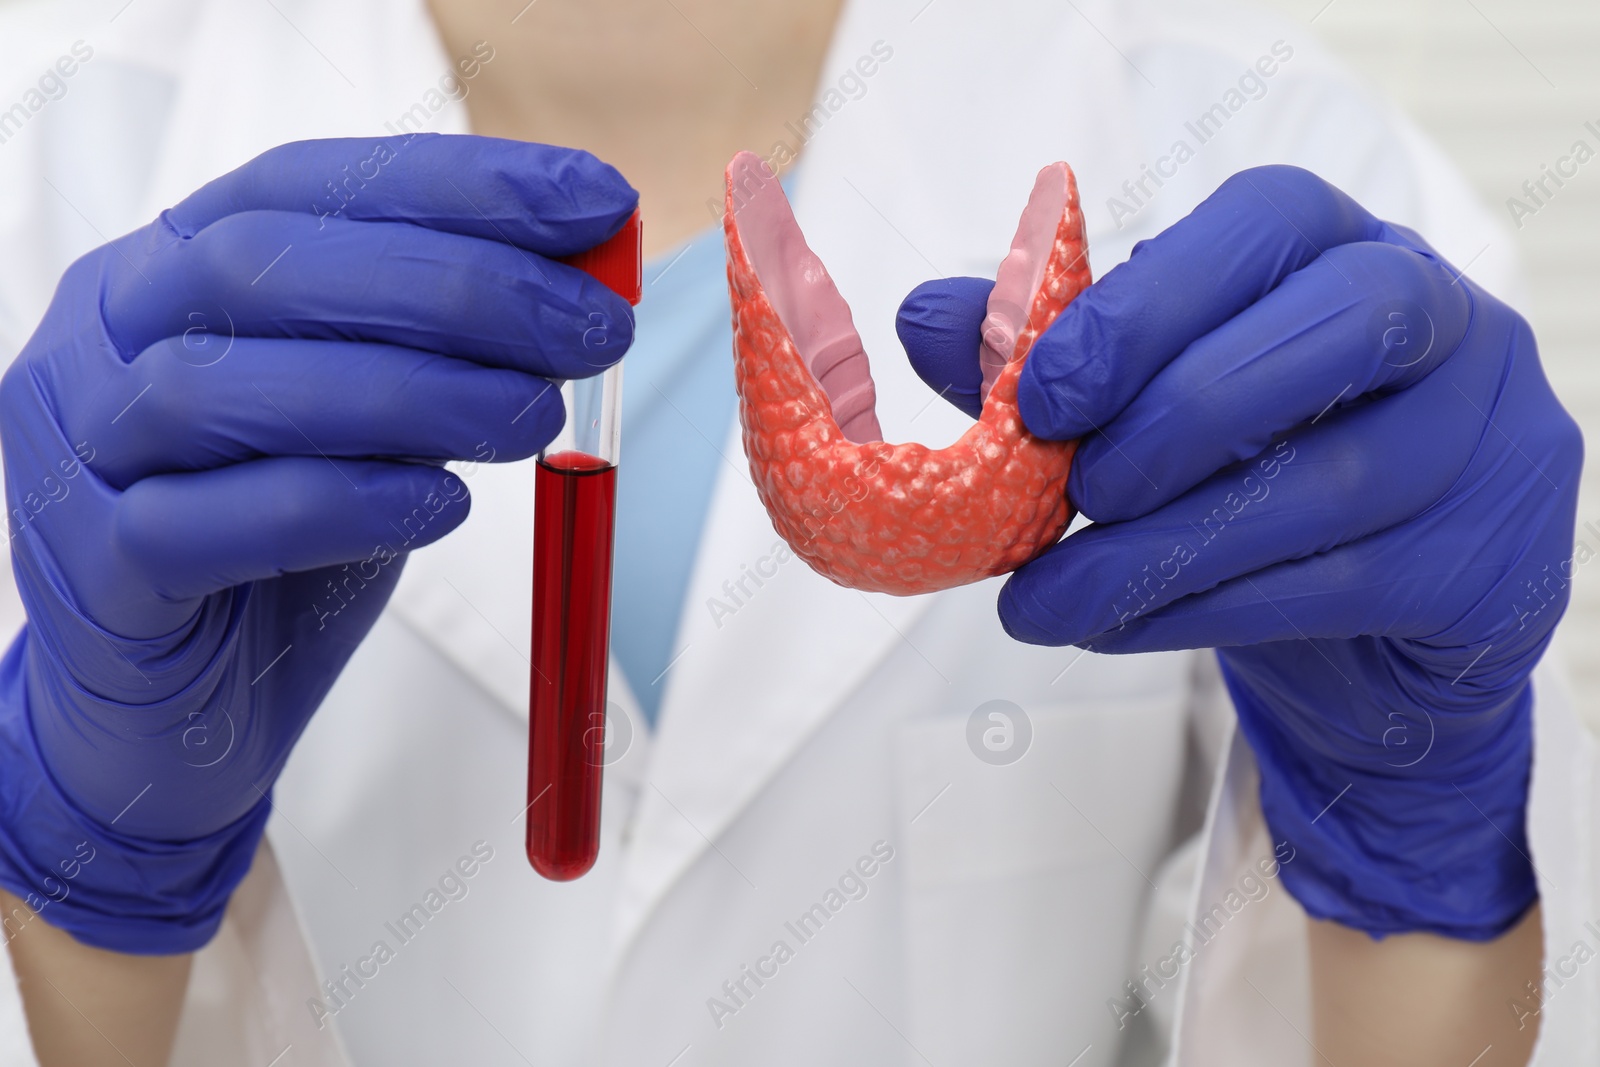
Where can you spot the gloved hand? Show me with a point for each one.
(219, 446)
(1311, 443)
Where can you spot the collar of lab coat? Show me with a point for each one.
(908, 175)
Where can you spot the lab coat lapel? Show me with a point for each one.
(767, 649)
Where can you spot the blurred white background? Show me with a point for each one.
(1505, 88)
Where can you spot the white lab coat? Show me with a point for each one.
(815, 724)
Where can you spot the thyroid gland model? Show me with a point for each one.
(901, 519)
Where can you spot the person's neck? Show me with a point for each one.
(665, 90)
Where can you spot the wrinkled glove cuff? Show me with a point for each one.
(105, 888)
(1392, 843)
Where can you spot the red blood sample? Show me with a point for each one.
(574, 501)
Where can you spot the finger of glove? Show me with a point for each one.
(1347, 596)
(1259, 227)
(1337, 595)
(1365, 319)
(549, 200)
(1353, 475)
(940, 325)
(279, 274)
(168, 412)
(186, 535)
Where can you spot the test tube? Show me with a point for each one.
(575, 490)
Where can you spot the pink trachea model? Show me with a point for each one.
(901, 519)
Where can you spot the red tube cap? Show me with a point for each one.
(618, 263)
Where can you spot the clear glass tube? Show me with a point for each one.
(594, 417)
(574, 522)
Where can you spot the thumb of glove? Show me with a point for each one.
(941, 327)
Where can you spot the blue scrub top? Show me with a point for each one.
(678, 403)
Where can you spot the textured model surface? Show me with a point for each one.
(905, 518)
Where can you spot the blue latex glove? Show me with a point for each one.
(219, 446)
(1310, 443)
